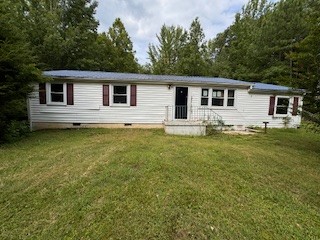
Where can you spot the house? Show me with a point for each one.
(181, 104)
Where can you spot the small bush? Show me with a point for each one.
(311, 126)
(14, 130)
(212, 129)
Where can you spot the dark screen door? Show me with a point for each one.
(181, 108)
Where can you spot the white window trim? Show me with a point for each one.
(208, 97)
(225, 98)
(120, 104)
(276, 104)
(48, 90)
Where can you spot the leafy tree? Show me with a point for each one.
(237, 48)
(62, 33)
(17, 72)
(274, 43)
(43, 27)
(79, 31)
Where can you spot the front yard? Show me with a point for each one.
(143, 184)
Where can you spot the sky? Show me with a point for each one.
(143, 18)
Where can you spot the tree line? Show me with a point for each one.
(276, 43)
(267, 42)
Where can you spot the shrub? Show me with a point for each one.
(14, 130)
(311, 126)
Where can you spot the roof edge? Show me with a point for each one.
(162, 82)
(268, 91)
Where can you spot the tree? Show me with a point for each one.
(306, 60)
(104, 53)
(62, 33)
(237, 48)
(285, 27)
(17, 72)
(164, 58)
(181, 52)
(273, 43)
(79, 31)
(193, 57)
(122, 51)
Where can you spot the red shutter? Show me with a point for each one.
(70, 94)
(295, 106)
(133, 95)
(42, 93)
(271, 105)
(105, 93)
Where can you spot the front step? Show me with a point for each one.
(194, 128)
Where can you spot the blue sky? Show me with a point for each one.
(144, 18)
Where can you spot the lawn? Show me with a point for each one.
(143, 184)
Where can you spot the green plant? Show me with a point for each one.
(213, 128)
(286, 121)
(15, 130)
(311, 126)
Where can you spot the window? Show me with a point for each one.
(205, 97)
(57, 93)
(230, 101)
(217, 97)
(120, 95)
(282, 105)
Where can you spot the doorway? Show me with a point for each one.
(181, 106)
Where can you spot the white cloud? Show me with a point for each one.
(144, 18)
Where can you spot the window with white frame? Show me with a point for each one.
(120, 95)
(57, 93)
(230, 100)
(217, 97)
(282, 105)
(204, 97)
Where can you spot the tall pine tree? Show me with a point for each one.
(122, 48)
(165, 56)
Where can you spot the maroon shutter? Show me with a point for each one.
(42, 93)
(69, 93)
(133, 95)
(295, 106)
(271, 105)
(105, 93)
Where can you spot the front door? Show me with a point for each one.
(181, 108)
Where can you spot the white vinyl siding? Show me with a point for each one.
(88, 106)
(248, 110)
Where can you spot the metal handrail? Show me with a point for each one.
(193, 113)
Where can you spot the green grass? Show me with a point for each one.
(143, 184)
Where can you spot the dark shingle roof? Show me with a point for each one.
(114, 76)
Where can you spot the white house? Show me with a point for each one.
(106, 99)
